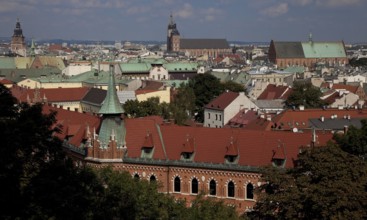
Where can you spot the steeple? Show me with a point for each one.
(111, 104)
(18, 30)
(33, 47)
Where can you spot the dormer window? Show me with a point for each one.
(279, 156)
(147, 149)
(188, 149)
(231, 155)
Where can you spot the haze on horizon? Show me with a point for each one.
(235, 20)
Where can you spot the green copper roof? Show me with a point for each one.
(323, 49)
(7, 63)
(135, 67)
(111, 105)
(112, 127)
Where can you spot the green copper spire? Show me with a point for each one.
(111, 104)
(33, 47)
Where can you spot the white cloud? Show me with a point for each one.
(137, 9)
(211, 14)
(11, 6)
(337, 3)
(300, 2)
(276, 10)
(186, 12)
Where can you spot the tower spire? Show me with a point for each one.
(111, 104)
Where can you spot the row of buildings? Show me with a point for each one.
(241, 132)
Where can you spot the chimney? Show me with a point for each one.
(345, 129)
(322, 119)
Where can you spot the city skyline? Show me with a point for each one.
(235, 20)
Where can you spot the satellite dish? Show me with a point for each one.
(295, 130)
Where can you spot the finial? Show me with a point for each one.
(310, 37)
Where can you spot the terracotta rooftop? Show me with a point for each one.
(290, 119)
(52, 95)
(74, 124)
(222, 101)
(339, 86)
(275, 92)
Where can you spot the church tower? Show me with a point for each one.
(173, 36)
(109, 143)
(18, 45)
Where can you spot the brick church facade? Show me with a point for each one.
(194, 47)
(307, 54)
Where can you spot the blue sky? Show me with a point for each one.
(235, 20)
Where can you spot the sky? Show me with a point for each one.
(143, 20)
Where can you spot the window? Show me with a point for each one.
(177, 184)
(208, 115)
(213, 188)
(249, 191)
(220, 117)
(194, 186)
(230, 189)
(152, 179)
(216, 117)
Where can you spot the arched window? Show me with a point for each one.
(213, 188)
(177, 184)
(249, 191)
(152, 179)
(194, 186)
(136, 176)
(230, 189)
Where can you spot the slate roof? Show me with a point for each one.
(288, 49)
(203, 44)
(335, 124)
(95, 96)
(222, 101)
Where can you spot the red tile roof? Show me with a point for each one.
(52, 95)
(242, 118)
(6, 81)
(254, 148)
(339, 86)
(74, 124)
(275, 92)
(222, 101)
(300, 118)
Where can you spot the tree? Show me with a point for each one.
(305, 94)
(354, 141)
(127, 198)
(326, 183)
(233, 86)
(183, 105)
(210, 208)
(206, 87)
